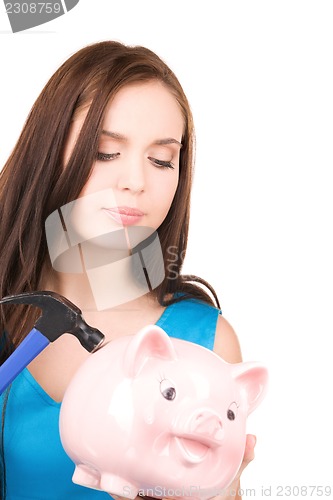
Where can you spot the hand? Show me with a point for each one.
(232, 492)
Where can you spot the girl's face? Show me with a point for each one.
(135, 175)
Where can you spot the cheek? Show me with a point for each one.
(165, 194)
(96, 182)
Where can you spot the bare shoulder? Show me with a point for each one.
(226, 342)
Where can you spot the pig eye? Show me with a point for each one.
(167, 390)
(232, 411)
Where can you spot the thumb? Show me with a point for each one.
(249, 450)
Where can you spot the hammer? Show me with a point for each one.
(58, 316)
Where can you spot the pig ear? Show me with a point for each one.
(150, 342)
(252, 378)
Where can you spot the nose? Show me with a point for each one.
(207, 425)
(132, 175)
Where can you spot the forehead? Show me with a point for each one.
(147, 108)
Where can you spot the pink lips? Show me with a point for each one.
(126, 216)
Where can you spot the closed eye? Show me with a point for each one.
(161, 163)
(107, 156)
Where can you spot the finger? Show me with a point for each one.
(251, 441)
(249, 450)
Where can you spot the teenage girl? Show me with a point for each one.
(112, 131)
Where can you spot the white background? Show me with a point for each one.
(259, 78)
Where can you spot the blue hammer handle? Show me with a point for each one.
(59, 316)
(29, 348)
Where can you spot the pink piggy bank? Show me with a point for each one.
(151, 415)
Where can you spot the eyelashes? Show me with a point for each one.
(158, 163)
(161, 163)
(107, 156)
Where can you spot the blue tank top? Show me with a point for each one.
(37, 466)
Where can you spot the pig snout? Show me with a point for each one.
(201, 432)
(207, 427)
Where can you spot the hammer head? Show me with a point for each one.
(59, 315)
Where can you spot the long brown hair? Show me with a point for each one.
(33, 182)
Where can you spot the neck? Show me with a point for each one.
(107, 286)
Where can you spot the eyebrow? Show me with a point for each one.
(122, 138)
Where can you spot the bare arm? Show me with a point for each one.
(227, 346)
